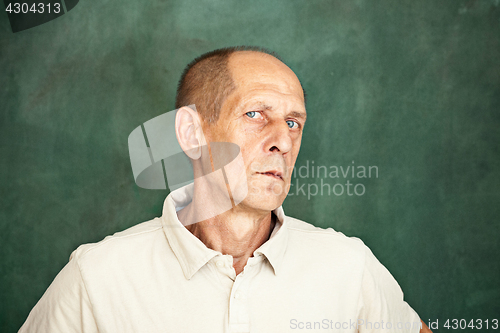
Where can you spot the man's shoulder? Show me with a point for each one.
(324, 240)
(135, 238)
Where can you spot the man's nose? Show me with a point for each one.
(279, 139)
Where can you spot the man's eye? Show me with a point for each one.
(253, 114)
(292, 124)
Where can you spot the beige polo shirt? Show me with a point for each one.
(158, 277)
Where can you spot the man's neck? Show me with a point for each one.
(237, 232)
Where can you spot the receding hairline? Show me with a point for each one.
(264, 55)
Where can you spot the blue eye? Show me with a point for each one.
(291, 123)
(251, 114)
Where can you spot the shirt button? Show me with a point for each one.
(220, 263)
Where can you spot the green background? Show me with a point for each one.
(412, 87)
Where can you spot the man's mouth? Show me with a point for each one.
(273, 173)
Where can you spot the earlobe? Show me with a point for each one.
(189, 132)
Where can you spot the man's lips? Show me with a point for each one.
(272, 173)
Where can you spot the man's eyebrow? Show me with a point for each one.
(263, 106)
(296, 114)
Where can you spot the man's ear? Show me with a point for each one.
(189, 132)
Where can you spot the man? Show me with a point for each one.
(246, 268)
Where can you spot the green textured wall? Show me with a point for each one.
(412, 87)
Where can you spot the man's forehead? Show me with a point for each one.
(252, 70)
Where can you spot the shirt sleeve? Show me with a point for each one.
(382, 306)
(65, 306)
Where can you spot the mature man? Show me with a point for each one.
(244, 268)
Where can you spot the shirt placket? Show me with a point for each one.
(239, 318)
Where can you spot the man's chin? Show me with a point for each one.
(263, 201)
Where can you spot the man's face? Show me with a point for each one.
(265, 117)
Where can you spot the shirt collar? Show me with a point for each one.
(274, 249)
(193, 254)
